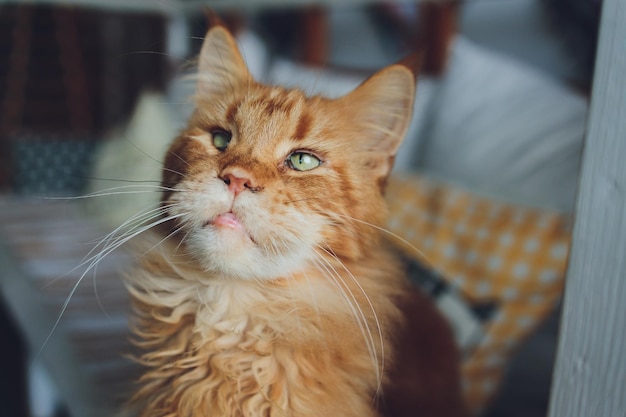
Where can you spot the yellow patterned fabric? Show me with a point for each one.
(490, 252)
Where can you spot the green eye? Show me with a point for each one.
(303, 161)
(221, 139)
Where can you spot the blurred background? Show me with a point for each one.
(72, 74)
(92, 91)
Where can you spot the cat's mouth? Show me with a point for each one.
(228, 222)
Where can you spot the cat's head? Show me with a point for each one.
(268, 180)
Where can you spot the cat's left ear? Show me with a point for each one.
(221, 68)
(381, 108)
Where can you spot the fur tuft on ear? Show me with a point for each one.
(220, 64)
(413, 62)
(381, 109)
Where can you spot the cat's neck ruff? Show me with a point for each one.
(173, 281)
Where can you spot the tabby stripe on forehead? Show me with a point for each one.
(231, 112)
(278, 104)
(303, 126)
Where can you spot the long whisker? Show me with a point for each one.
(133, 221)
(112, 240)
(146, 52)
(356, 309)
(390, 233)
(96, 294)
(145, 216)
(132, 189)
(112, 244)
(152, 158)
(134, 145)
(376, 320)
(169, 235)
(94, 260)
(121, 180)
(180, 158)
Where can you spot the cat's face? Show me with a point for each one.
(268, 181)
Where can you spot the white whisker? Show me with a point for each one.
(93, 262)
(132, 222)
(390, 233)
(169, 235)
(356, 309)
(103, 241)
(123, 180)
(114, 191)
(376, 320)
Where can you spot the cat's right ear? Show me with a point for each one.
(221, 67)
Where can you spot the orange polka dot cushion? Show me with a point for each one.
(505, 263)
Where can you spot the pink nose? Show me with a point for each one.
(238, 180)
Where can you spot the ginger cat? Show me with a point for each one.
(271, 290)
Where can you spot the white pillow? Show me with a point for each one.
(503, 129)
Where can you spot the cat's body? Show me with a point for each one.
(274, 293)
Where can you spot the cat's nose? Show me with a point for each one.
(238, 180)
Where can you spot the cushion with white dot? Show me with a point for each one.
(50, 163)
(491, 253)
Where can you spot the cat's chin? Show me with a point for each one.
(222, 247)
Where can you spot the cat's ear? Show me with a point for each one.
(221, 67)
(381, 109)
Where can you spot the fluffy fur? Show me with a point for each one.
(271, 291)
